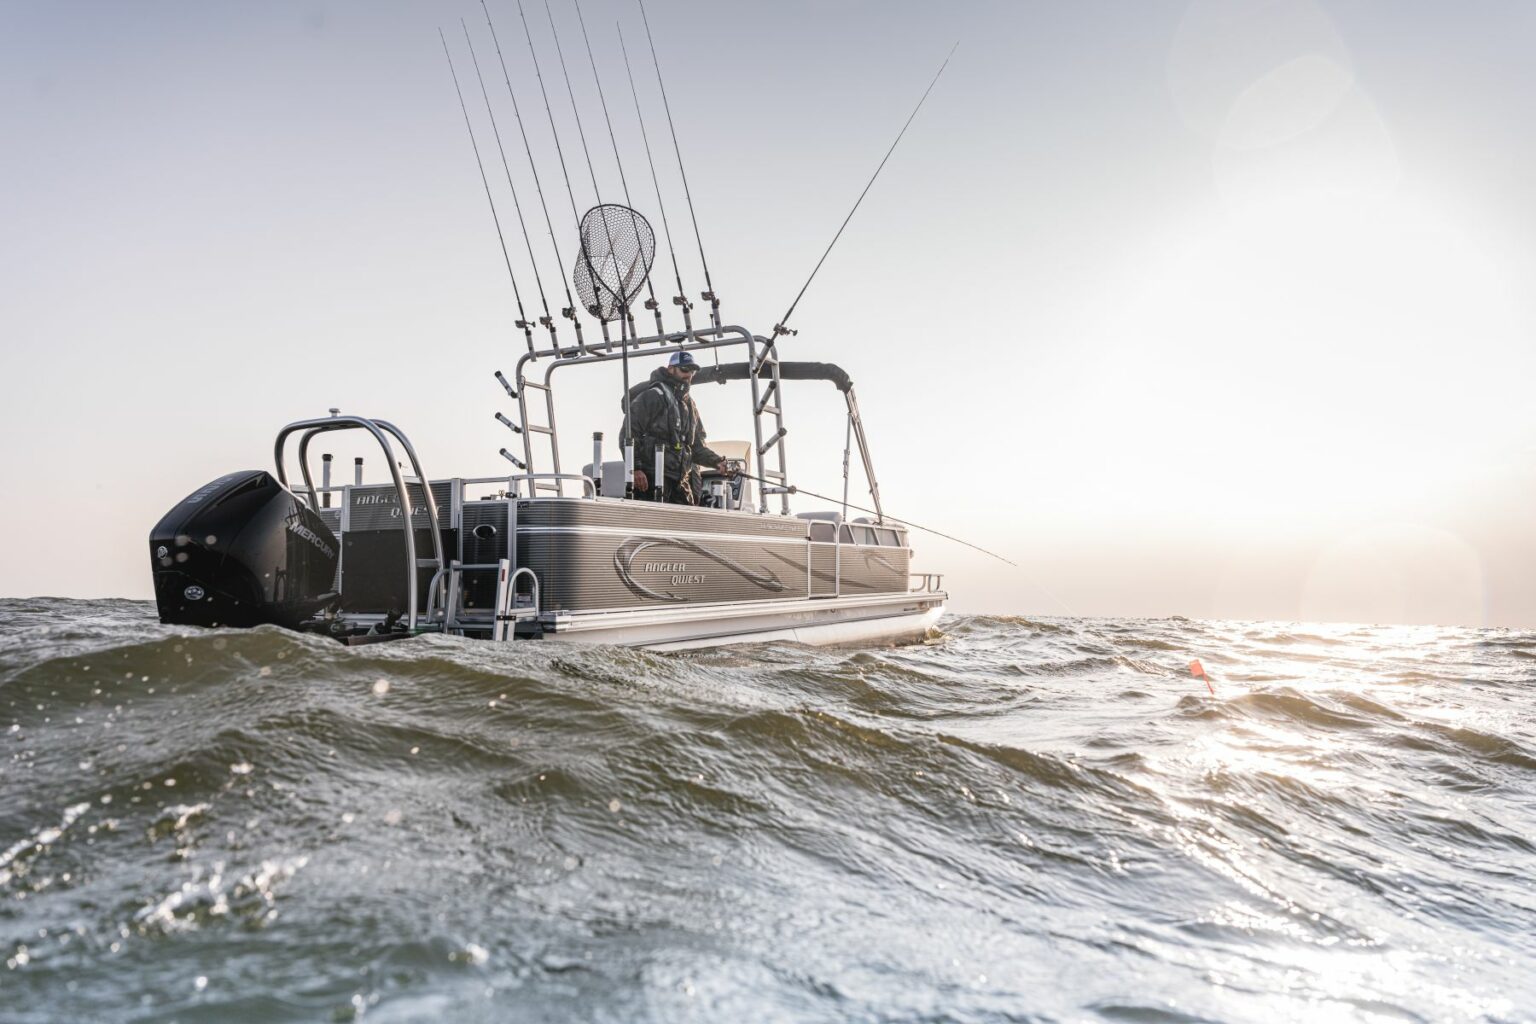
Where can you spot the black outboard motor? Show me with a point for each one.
(242, 551)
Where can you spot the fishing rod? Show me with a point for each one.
(780, 328)
(570, 309)
(591, 172)
(522, 320)
(681, 299)
(650, 289)
(547, 320)
(792, 489)
(523, 323)
(709, 292)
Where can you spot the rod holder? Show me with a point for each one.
(512, 459)
(659, 481)
(510, 393)
(597, 461)
(325, 479)
(629, 470)
(509, 424)
(357, 471)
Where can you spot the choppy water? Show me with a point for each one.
(1025, 820)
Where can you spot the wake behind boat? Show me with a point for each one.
(544, 553)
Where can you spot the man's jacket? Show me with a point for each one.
(664, 413)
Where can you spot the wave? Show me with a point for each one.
(1047, 814)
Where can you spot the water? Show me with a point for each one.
(1023, 820)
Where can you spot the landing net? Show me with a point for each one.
(617, 250)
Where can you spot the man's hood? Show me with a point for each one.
(661, 376)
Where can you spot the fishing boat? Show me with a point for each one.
(542, 553)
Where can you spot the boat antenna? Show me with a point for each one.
(681, 299)
(709, 288)
(780, 328)
(650, 289)
(570, 309)
(547, 320)
(522, 320)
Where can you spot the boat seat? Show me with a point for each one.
(613, 477)
(831, 517)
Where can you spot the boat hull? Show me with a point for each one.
(886, 618)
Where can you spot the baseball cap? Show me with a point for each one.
(684, 360)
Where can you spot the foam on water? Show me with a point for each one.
(1027, 820)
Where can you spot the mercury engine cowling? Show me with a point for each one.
(242, 551)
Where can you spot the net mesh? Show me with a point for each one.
(617, 250)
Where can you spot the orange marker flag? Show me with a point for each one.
(1198, 671)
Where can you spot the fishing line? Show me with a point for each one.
(792, 489)
(886, 515)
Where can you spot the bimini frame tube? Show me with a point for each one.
(377, 428)
(656, 344)
(660, 344)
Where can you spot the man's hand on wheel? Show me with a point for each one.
(642, 482)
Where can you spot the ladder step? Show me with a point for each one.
(772, 410)
(773, 473)
(539, 430)
(532, 384)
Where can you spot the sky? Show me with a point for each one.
(1214, 309)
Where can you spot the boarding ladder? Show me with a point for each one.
(530, 429)
(768, 412)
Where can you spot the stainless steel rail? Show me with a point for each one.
(507, 612)
(379, 429)
(932, 583)
(702, 338)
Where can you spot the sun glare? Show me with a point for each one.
(1316, 354)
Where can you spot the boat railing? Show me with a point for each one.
(506, 611)
(589, 486)
(925, 582)
(382, 431)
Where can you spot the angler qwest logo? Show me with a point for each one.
(676, 574)
(392, 500)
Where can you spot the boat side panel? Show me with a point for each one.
(610, 555)
(583, 570)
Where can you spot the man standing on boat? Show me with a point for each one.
(663, 413)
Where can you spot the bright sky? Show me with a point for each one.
(1210, 309)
